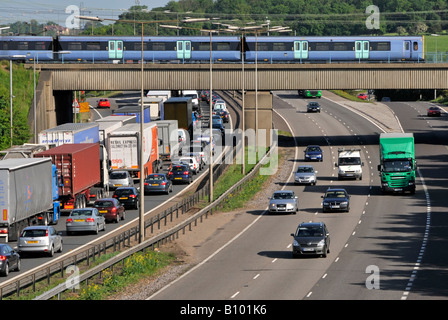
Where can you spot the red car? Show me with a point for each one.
(362, 96)
(103, 103)
(111, 209)
(434, 111)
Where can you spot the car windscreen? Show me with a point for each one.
(283, 195)
(309, 232)
(350, 161)
(305, 169)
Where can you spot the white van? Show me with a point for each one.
(349, 163)
(193, 94)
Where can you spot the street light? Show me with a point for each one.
(210, 106)
(142, 178)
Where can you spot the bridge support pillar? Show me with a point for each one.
(45, 105)
(263, 106)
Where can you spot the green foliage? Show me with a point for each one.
(23, 97)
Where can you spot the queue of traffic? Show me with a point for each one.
(87, 170)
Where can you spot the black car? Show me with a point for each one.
(158, 182)
(311, 238)
(225, 116)
(9, 259)
(336, 199)
(313, 107)
(180, 173)
(128, 196)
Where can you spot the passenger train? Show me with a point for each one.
(226, 49)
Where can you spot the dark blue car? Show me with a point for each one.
(313, 153)
(180, 173)
(158, 182)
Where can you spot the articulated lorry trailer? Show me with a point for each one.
(397, 162)
(124, 149)
(78, 165)
(29, 195)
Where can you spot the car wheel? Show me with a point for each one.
(60, 248)
(324, 255)
(51, 252)
(96, 229)
(19, 265)
(6, 272)
(124, 215)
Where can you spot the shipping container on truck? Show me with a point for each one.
(28, 195)
(168, 136)
(155, 107)
(70, 133)
(124, 148)
(27, 150)
(180, 109)
(79, 167)
(134, 110)
(117, 118)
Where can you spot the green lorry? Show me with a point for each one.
(397, 162)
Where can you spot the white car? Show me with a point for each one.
(193, 163)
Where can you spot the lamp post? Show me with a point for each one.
(211, 101)
(141, 146)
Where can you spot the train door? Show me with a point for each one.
(362, 49)
(183, 49)
(406, 49)
(300, 50)
(115, 49)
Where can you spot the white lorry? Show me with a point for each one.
(349, 163)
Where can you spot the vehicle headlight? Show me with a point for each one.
(295, 243)
(289, 206)
(341, 170)
(344, 203)
(321, 243)
(272, 205)
(326, 204)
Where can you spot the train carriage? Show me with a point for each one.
(333, 49)
(26, 48)
(155, 49)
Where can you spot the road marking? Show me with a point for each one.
(234, 295)
(256, 276)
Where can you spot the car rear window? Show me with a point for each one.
(179, 168)
(118, 175)
(104, 204)
(34, 233)
(76, 213)
(123, 192)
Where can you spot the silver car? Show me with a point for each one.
(43, 239)
(86, 219)
(120, 179)
(283, 201)
(305, 174)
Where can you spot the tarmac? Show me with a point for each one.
(375, 111)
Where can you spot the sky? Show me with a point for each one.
(55, 10)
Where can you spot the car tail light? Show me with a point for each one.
(146, 184)
(163, 183)
(2, 258)
(114, 196)
(113, 210)
(46, 233)
(132, 196)
(186, 172)
(4, 231)
(69, 220)
(90, 220)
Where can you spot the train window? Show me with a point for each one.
(380, 46)
(223, 46)
(22, 45)
(406, 46)
(279, 46)
(74, 46)
(138, 46)
(415, 45)
(322, 46)
(204, 46)
(39, 45)
(342, 46)
(93, 46)
(358, 46)
(187, 45)
(160, 46)
(261, 46)
(366, 46)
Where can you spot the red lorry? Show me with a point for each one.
(78, 167)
